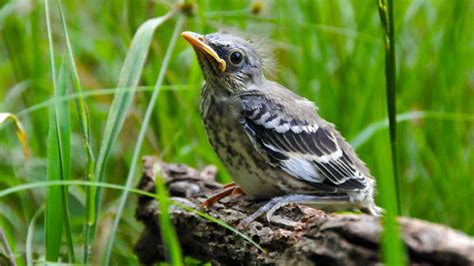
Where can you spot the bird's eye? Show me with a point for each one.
(236, 58)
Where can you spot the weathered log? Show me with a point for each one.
(297, 235)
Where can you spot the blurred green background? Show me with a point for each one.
(328, 51)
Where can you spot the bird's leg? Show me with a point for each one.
(276, 203)
(237, 191)
(230, 189)
(231, 184)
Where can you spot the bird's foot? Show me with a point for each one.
(276, 203)
(230, 189)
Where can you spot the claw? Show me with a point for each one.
(274, 209)
(230, 189)
(275, 204)
(244, 224)
(237, 191)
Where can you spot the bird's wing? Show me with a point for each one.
(308, 149)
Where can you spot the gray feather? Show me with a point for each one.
(299, 141)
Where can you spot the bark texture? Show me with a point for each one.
(297, 235)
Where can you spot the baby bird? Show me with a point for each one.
(273, 142)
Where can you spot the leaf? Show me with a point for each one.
(129, 77)
(389, 187)
(20, 132)
(59, 158)
(59, 163)
(168, 234)
(141, 136)
(54, 209)
(84, 126)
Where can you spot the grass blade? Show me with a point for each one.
(373, 128)
(386, 16)
(97, 92)
(29, 237)
(84, 124)
(168, 234)
(20, 132)
(80, 103)
(129, 77)
(56, 183)
(64, 144)
(59, 161)
(58, 153)
(6, 246)
(141, 135)
(53, 212)
(389, 189)
(54, 209)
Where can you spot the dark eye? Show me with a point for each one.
(236, 57)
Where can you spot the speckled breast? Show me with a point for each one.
(235, 150)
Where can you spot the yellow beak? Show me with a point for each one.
(197, 41)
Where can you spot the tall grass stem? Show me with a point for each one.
(141, 135)
(393, 253)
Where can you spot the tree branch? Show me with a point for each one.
(297, 234)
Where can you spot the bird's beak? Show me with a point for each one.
(197, 41)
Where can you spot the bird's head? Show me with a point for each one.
(227, 61)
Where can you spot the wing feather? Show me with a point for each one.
(308, 150)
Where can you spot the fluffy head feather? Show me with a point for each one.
(231, 63)
(261, 43)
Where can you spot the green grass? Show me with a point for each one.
(328, 51)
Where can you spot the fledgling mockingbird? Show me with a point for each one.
(272, 141)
